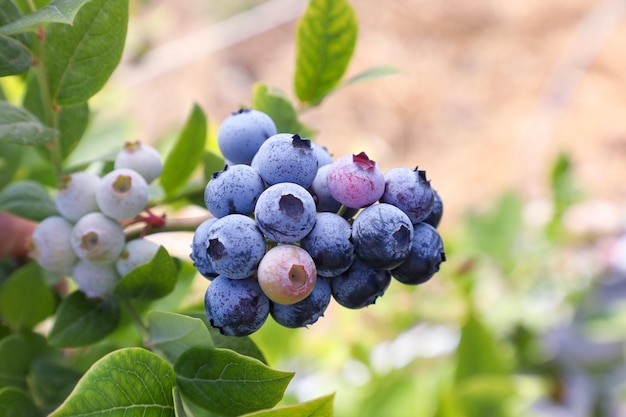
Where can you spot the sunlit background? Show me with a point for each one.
(516, 110)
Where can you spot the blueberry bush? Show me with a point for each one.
(93, 319)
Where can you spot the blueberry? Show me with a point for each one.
(360, 285)
(233, 190)
(285, 212)
(323, 156)
(76, 195)
(355, 180)
(410, 191)
(241, 134)
(51, 245)
(95, 280)
(234, 246)
(122, 194)
(141, 158)
(198, 249)
(286, 158)
(304, 312)
(382, 236)
(137, 252)
(329, 244)
(287, 274)
(427, 254)
(97, 239)
(434, 218)
(237, 307)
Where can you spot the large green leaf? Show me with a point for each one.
(186, 154)
(81, 321)
(127, 382)
(16, 403)
(59, 11)
(318, 407)
(25, 298)
(17, 354)
(274, 103)
(10, 160)
(27, 199)
(14, 58)
(80, 58)
(325, 40)
(150, 281)
(227, 383)
(173, 333)
(19, 126)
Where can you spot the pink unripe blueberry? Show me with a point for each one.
(122, 194)
(355, 181)
(287, 274)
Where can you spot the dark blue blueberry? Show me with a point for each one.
(286, 158)
(382, 236)
(241, 134)
(434, 218)
(329, 244)
(304, 312)
(285, 212)
(235, 246)
(360, 285)
(237, 307)
(409, 190)
(233, 190)
(198, 249)
(427, 254)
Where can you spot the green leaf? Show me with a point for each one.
(212, 162)
(150, 281)
(173, 333)
(14, 58)
(479, 353)
(80, 58)
(318, 407)
(16, 403)
(51, 383)
(372, 74)
(228, 383)
(17, 353)
(59, 11)
(27, 199)
(243, 345)
(127, 382)
(10, 159)
(25, 298)
(325, 40)
(81, 321)
(279, 108)
(186, 154)
(20, 127)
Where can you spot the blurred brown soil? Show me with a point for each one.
(490, 91)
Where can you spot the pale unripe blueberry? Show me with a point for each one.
(287, 274)
(355, 181)
(137, 252)
(122, 194)
(142, 158)
(76, 195)
(51, 247)
(97, 238)
(95, 280)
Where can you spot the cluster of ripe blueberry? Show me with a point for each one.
(85, 239)
(293, 228)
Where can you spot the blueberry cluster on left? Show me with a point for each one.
(85, 240)
(294, 228)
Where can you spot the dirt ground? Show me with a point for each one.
(490, 91)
